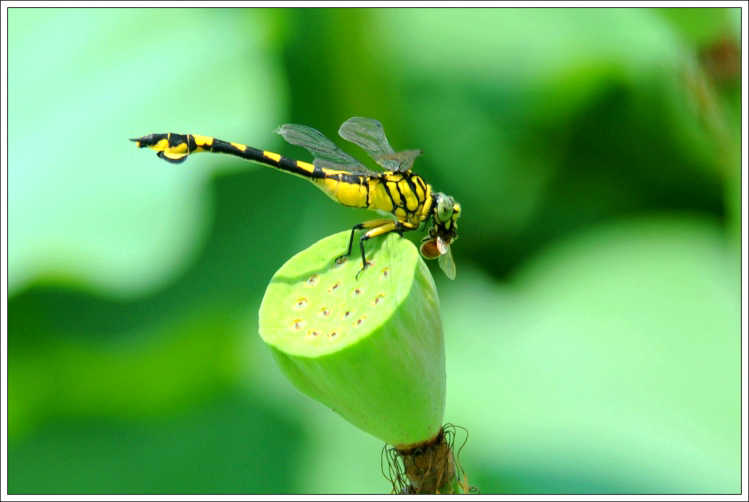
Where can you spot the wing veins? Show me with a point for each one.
(369, 135)
(325, 152)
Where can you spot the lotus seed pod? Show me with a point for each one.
(370, 348)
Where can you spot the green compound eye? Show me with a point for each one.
(445, 205)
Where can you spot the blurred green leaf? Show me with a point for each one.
(231, 445)
(702, 26)
(182, 363)
(525, 115)
(73, 351)
(610, 365)
(85, 202)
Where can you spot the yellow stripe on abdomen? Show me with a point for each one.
(348, 194)
(181, 148)
(305, 166)
(202, 142)
(173, 153)
(270, 155)
(160, 146)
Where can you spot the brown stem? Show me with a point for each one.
(430, 467)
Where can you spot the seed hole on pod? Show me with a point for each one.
(341, 260)
(346, 314)
(357, 291)
(333, 334)
(313, 332)
(325, 311)
(300, 304)
(334, 287)
(313, 280)
(379, 298)
(298, 324)
(360, 321)
(385, 272)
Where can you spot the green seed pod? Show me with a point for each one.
(370, 348)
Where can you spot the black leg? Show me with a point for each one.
(374, 232)
(350, 242)
(361, 246)
(375, 228)
(365, 264)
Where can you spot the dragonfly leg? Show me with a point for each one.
(376, 228)
(385, 227)
(381, 229)
(366, 224)
(350, 242)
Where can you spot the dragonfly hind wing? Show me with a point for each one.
(400, 161)
(369, 135)
(318, 145)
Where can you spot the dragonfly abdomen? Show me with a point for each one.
(349, 189)
(175, 148)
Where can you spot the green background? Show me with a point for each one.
(592, 333)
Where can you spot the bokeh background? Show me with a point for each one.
(592, 333)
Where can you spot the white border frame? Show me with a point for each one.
(4, 252)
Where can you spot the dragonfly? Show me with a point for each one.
(405, 200)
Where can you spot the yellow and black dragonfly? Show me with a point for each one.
(397, 192)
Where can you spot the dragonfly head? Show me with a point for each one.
(445, 214)
(442, 232)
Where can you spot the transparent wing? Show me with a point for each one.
(447, 264)
(370, 136)
(325, 152)
(350, 168)
(315, 143)
(401, 161)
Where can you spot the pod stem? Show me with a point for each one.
(429, 468)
